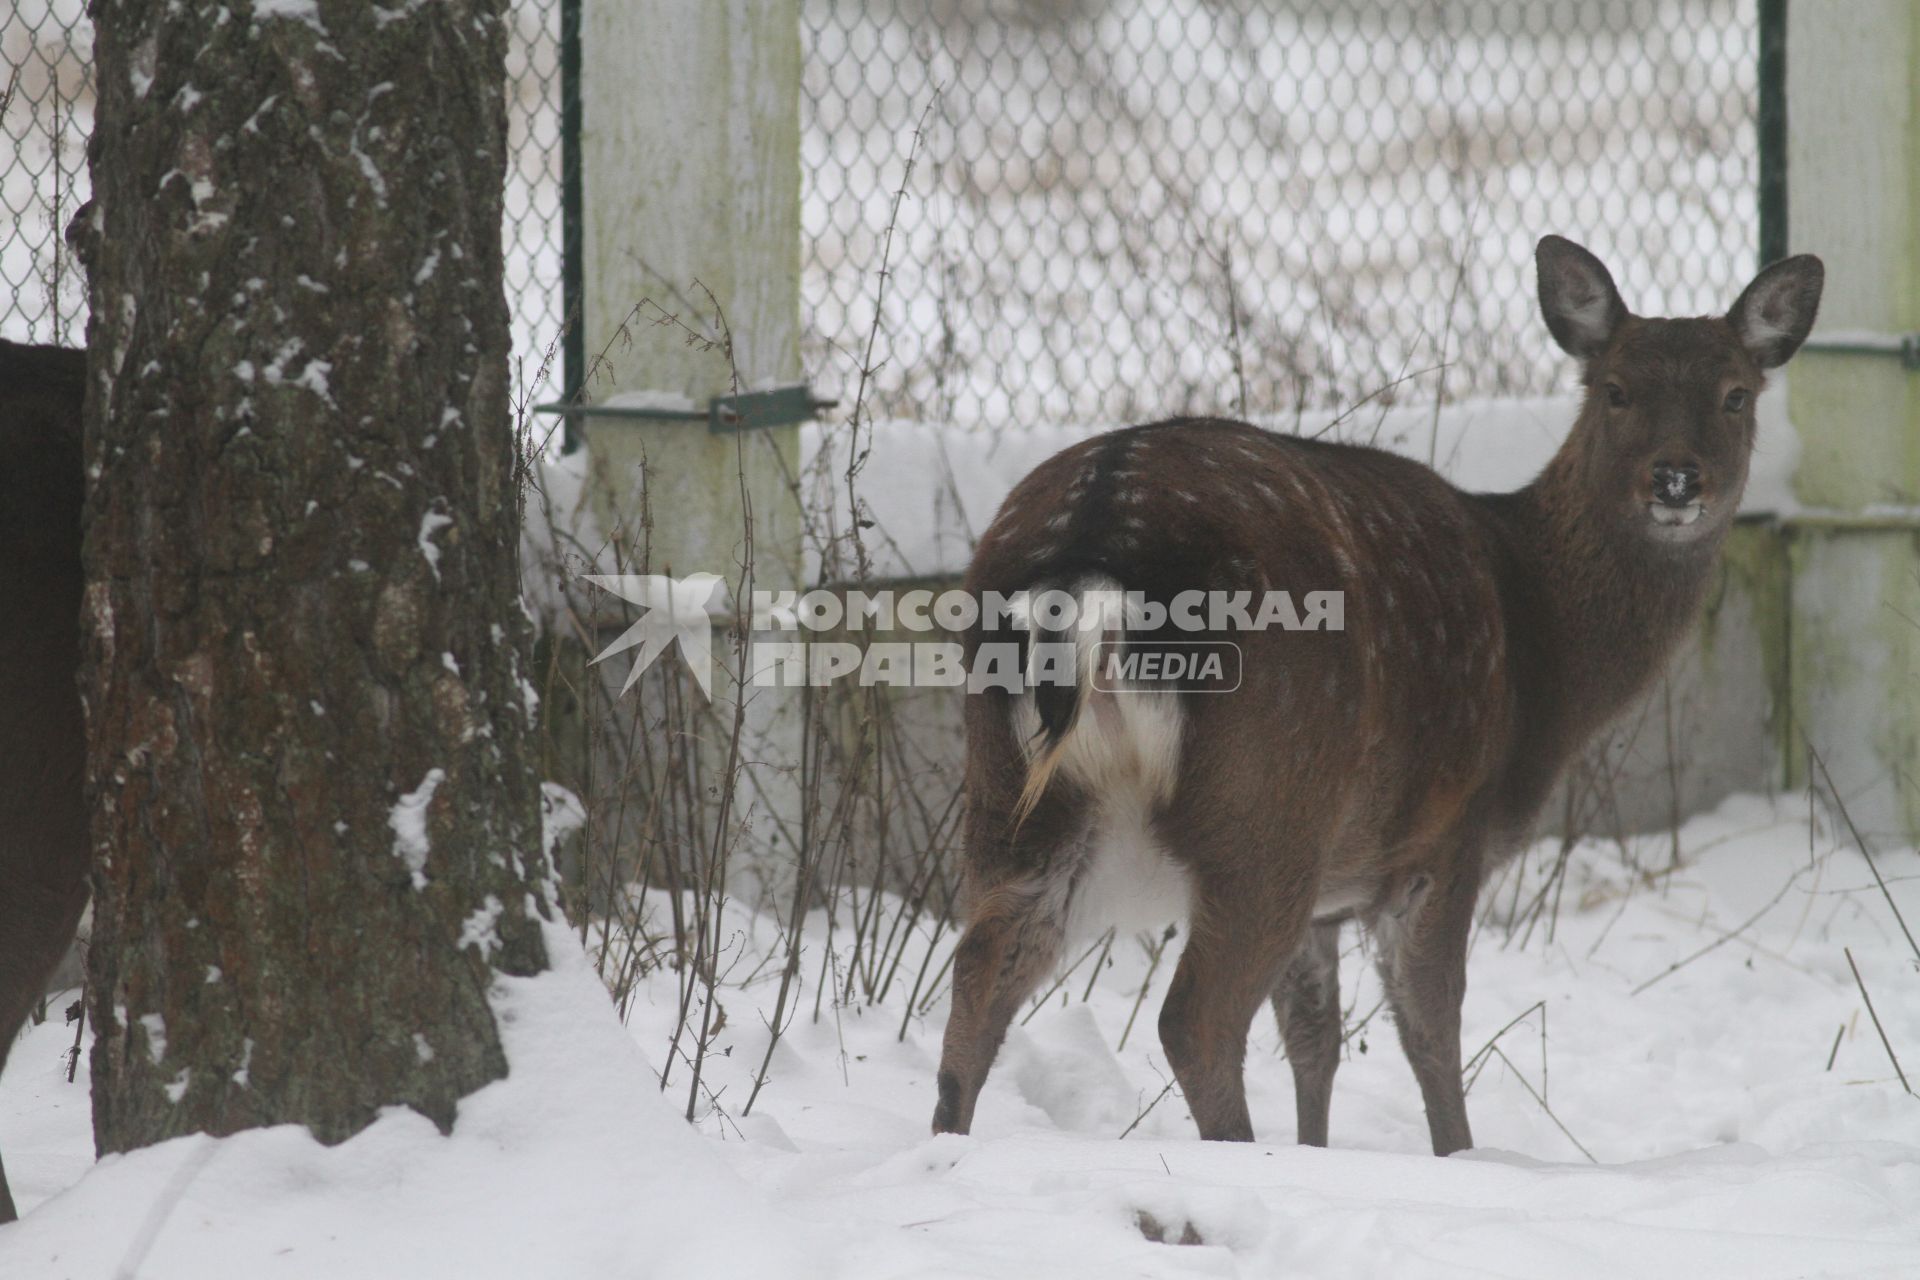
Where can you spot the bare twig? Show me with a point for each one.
(1236, 352)
(1478, 1061)
(1100, 965)
(1724, 938)
(1105, 939)
(1377, 392)
(1865, 852)
(856, 453)
(1148, 1109)
(1525, 1084)
(1359, 1027)
(1154, 950)
(1887, 1044)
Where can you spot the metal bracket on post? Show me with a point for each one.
(724, 415)
(778, 407)
(1904, 347)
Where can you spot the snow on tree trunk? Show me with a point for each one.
(315, 827)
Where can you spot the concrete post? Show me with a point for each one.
(1853, 174)
(690, 172)
(690, 163)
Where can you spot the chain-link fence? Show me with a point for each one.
(46, 85)
(532, 228)
(1129, 207)
(46, 79)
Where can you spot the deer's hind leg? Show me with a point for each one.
(1015, 925)
(1423, 965)
(1241, 939)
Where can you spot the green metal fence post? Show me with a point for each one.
(1772, 127)
(573, 358)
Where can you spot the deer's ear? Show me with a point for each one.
(1577, 297)
(1776, 311)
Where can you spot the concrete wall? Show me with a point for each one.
(1853, 176)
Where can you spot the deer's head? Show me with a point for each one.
(1662, 443)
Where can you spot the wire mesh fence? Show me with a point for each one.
(46, 88)
(1119, 208)
(46, 83)
(531, 233)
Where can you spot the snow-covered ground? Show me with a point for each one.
(1643, 1119)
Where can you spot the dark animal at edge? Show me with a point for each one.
(43, 843)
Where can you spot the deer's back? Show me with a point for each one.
(1398, 721)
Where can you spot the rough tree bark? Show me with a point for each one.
(316, 834)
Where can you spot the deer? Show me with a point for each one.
(1371, 773)
(43, 841)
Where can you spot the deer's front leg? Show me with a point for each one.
(1306, 1003)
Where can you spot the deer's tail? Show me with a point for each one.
(1080, 719)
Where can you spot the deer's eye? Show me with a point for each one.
(1615, 396)
(1736, 400)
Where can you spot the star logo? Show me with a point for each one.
(675, 610)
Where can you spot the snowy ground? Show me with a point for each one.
(1695, 1127)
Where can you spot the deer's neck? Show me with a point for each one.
(1614, 601)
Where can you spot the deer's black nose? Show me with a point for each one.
(1675, 486)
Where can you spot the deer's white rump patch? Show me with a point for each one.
(1123, 748)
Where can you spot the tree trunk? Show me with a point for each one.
(316, 832)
